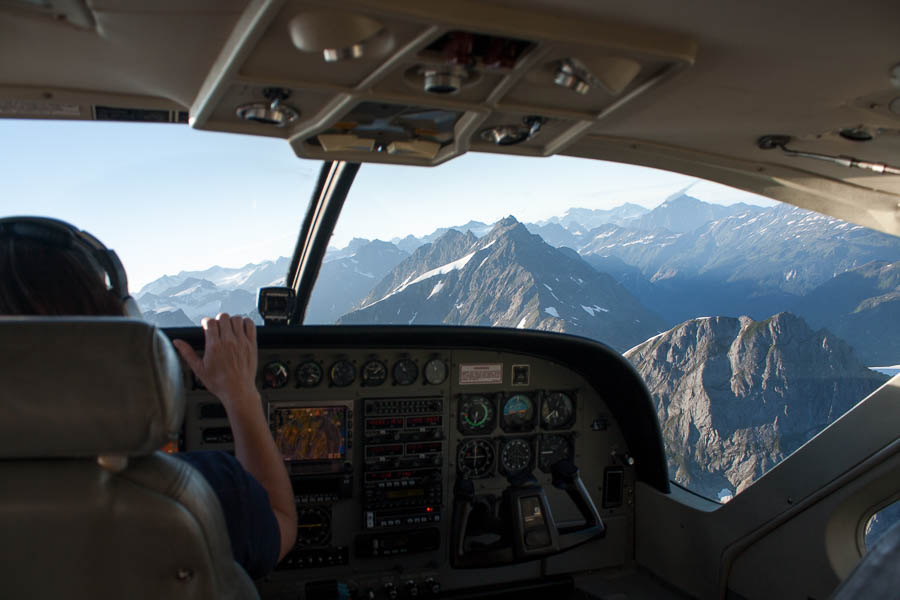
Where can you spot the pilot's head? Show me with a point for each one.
(48, 267)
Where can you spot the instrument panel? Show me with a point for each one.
(379, 443)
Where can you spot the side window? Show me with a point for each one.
(880, 522)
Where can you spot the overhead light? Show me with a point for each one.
(340, 35)
(572, 75)
(508, 135)
(275, 112)
(447, 79)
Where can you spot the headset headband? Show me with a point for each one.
(89, 250)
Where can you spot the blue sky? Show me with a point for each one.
(168, 198)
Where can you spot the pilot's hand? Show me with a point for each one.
(228, 365)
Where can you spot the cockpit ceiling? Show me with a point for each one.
(688, 87)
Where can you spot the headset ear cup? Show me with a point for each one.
(130, 308)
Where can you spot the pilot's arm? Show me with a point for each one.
(228, 370)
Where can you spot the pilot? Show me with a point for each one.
(50, 268)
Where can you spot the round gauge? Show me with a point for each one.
(405, 372)
(475, 458)
(515, 455)
(374, 373)
(313, 526)
(554, 448)
(435, 371)
(557, 411)
(476, 414)
(309, 374)
(518, 413)
(342, 373)
(275, 374)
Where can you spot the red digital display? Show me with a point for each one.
(423, 448)
(386, 450)
(387, 475)
(385, 423)
(432, 421)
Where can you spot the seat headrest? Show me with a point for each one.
(85, 386)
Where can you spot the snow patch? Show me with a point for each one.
(551, 311)
(521, 324)
(410, 322)
(588, 310)
(437, 288)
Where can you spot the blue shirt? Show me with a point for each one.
(252, 527)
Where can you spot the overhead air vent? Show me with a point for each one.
(274, 112)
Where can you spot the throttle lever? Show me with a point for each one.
(566, 477)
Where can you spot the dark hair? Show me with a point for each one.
(40, 279)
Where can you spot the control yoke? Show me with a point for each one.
(525, 529)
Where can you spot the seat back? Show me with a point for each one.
(89, 508)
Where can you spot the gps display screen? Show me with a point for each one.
(310, 434)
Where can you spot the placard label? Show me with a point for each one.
(487, 373)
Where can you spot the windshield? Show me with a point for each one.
(754, 324)
(200, 220)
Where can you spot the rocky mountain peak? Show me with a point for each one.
(735, 396)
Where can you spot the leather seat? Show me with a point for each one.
(89, 508)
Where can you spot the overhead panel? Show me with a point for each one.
(384, 82)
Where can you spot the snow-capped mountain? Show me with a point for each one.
(576, 219)
(192, 295)
(508, 278)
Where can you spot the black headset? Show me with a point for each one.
(89, 250)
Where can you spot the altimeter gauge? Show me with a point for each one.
(557, 411)
(475, 458)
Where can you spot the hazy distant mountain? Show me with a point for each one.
(411, 242)
(557, 235)
(782, 247)
(682, 213)
(198, 294)
(576, 219)
(349, 250)
(736, 396)
(862, 306)
(345, 281)
(755, 262)
(250, 277)
(509, 278)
